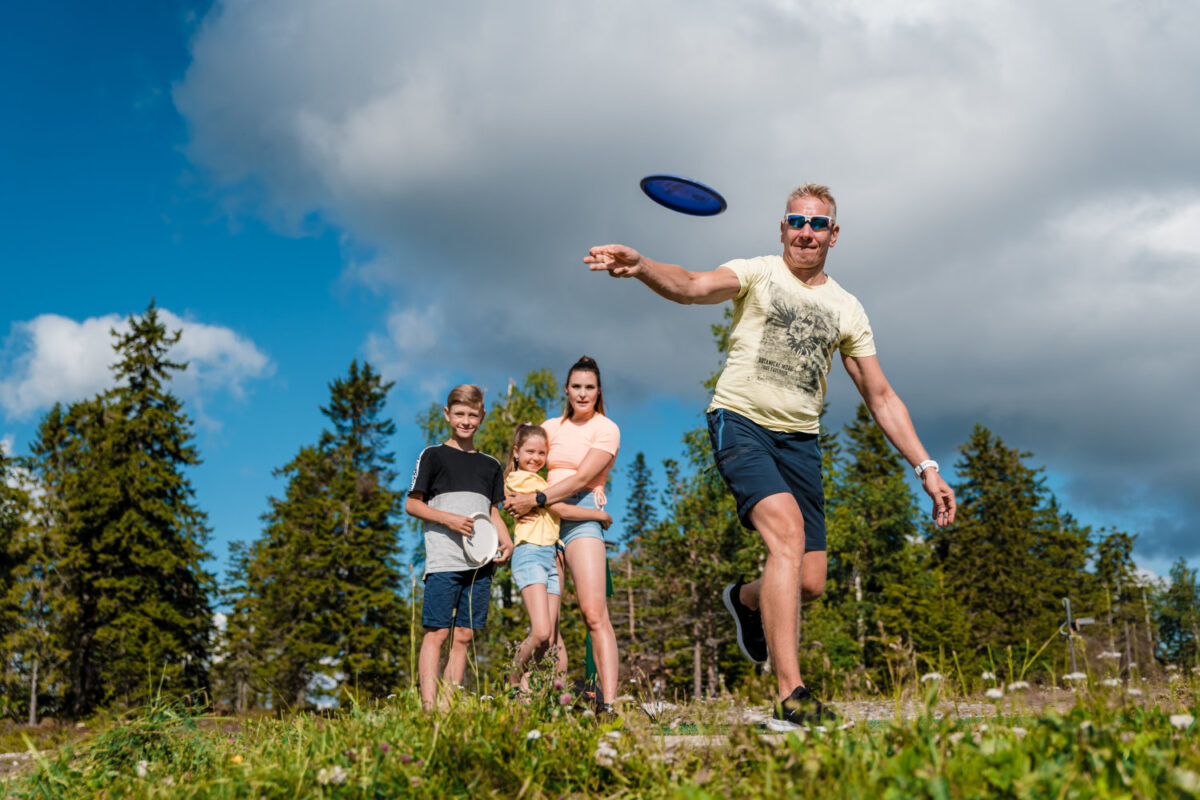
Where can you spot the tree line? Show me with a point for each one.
(106, 597)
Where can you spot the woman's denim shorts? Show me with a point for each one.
(585, 529)
(534, 563)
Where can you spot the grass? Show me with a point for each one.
(1104, 746)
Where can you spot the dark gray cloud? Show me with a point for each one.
(1018, 184)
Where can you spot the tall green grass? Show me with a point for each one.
(1103, 747)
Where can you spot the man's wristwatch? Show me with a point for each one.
(541, 496)
(924, 465)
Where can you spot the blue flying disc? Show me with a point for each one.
(683, 195)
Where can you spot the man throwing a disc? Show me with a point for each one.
(789, 319)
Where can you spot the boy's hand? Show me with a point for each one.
(460, 524)
(606, 520)
(506, 550)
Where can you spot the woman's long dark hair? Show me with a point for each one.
(586, 364)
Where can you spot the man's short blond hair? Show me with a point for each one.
(466, 394)
(813, 190)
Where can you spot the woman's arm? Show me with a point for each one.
(593, 463)
(580, 514)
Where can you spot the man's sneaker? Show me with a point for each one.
(799, 710)
(750, 638)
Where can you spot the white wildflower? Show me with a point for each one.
(334, 774)
(1133, 691)
(1110, 654)
(1019, 732)
(1172, 667)
(956, 737)
(606, 754)
(613, 734)
(847, 725)
(1111, 682)
(1018, 686)
(994, 693)
(988, 676)
(1075, 676)
(1083, 726)
(142, 768)
(931, 676)
(532, 735)
(1174, 676)
(1196, 669)
(1182, 720)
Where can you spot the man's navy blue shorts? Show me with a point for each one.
(757, 463)
(459, 598)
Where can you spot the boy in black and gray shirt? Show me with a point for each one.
(452, 482)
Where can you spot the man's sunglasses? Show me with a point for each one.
(819, 222)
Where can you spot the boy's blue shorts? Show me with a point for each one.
(757, 463)
(457, 598)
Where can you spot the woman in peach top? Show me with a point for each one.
(583, 447)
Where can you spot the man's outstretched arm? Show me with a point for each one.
(670, 281)
(892, 417)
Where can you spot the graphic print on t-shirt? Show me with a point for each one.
(797, 342)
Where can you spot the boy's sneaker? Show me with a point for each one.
(799, 710)
(750, 638)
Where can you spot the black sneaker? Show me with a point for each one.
(799, 710)
(750, 638)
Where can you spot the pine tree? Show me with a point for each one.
(14, 504)
(320, 593)
(1012, 554)
(366, 542)
(641, 517)
(132, 603)
(871, 514)
(1178, 617)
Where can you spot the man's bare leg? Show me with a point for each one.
(778, 592)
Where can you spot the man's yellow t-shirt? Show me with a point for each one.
(782, 342)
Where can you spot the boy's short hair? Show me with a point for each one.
(466, 394)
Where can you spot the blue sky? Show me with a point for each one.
(304, 183)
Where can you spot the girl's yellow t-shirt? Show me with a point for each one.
(543, 530)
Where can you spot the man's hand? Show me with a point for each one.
(616, 259)
(518, 505)
(459, 524)
(943, 497)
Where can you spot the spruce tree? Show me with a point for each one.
(871, 513)
(320, 593)
(132, 605)
(365, 541)
(14, 504)
(1012, 554)
(641, 517)
(1178, 617)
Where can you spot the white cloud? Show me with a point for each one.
(6, 444)
(1018, 201)
(52, 358)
